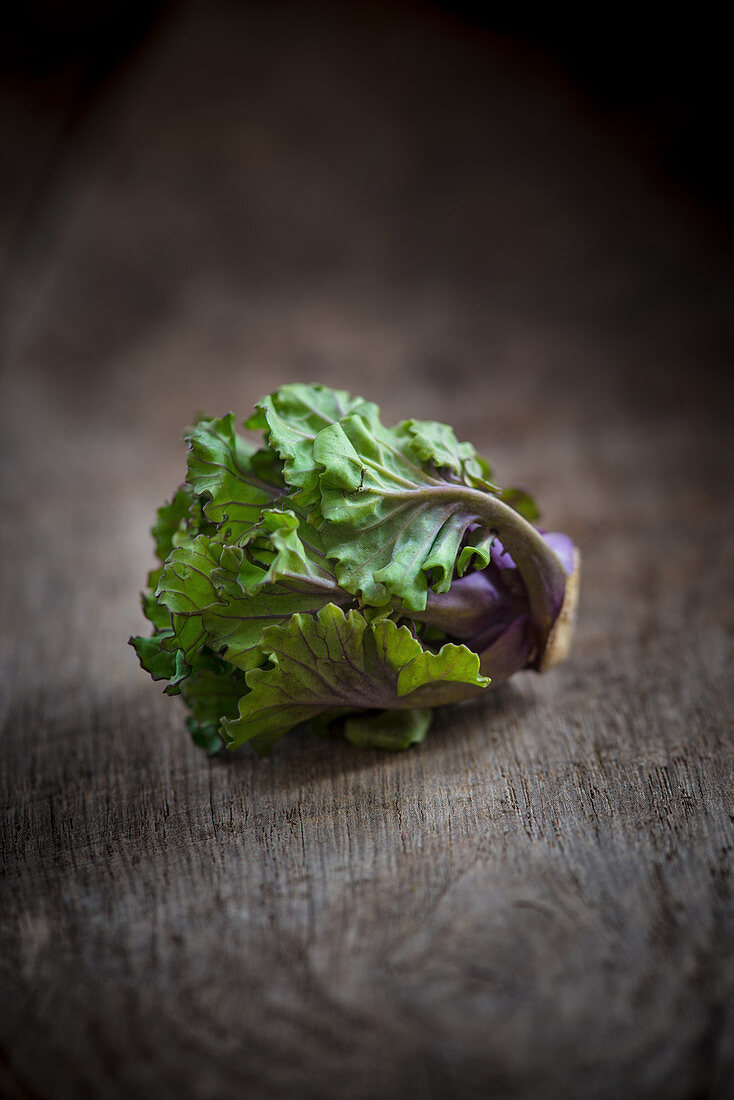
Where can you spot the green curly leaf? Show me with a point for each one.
(390, 525)
(334, 661)
(436, 443)
(292, 417)
(159, 662)
(171, 521)
(211, 692)
(226, 471)
(274, 574)
(522, 502)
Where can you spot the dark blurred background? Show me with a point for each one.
(424, 143)
(660, 81)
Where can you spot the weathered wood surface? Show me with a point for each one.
(536, 902)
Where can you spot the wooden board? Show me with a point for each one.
(537, 901)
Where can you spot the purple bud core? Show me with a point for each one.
(489, 610)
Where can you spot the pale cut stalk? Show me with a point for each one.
(559, 640)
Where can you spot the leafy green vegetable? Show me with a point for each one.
(344, 570)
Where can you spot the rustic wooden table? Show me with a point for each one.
(537, 901)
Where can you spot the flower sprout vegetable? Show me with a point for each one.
(345, 570)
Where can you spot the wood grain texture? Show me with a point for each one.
(537, 901)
